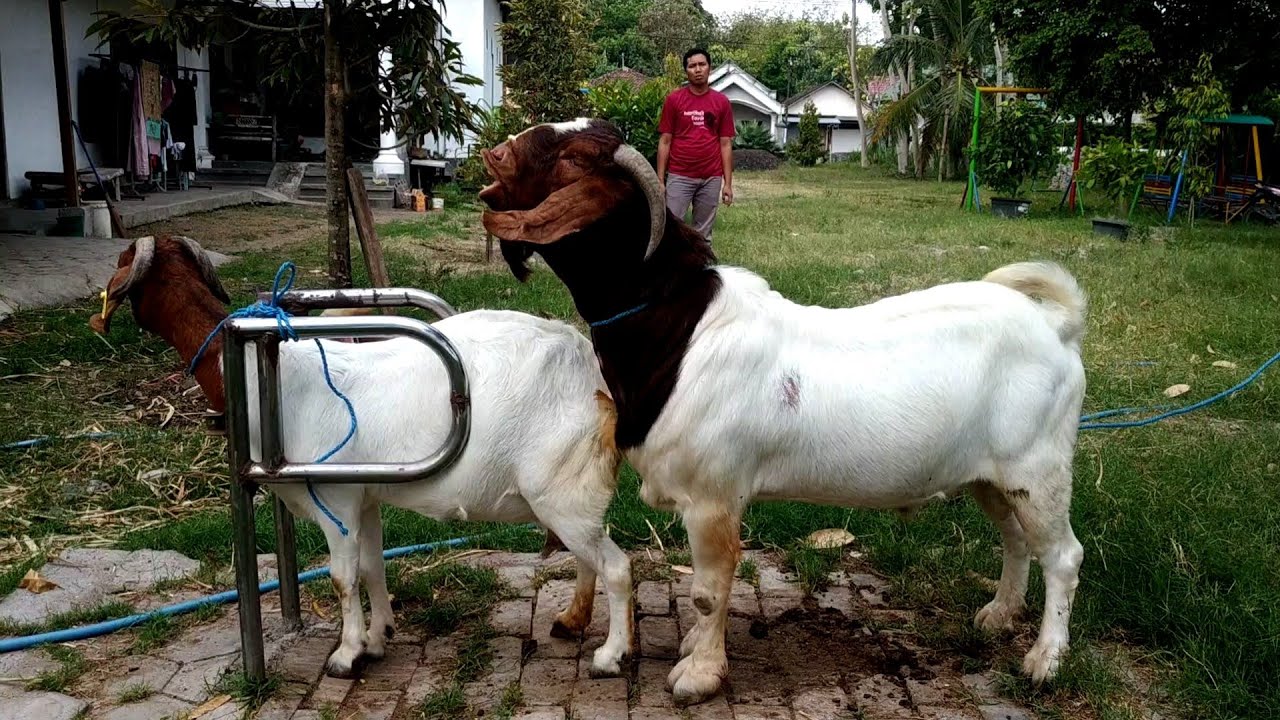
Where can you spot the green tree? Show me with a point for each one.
(1095, 55)
(330, 48)
(674, 26)
(617, 37)
(548, 48)
(807, 148)
(949, 52)
(1203, 98)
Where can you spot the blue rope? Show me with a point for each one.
(619, 316)
(272, 309)
(1086, 424)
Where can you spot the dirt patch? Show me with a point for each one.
(811, 647)
(246, 228)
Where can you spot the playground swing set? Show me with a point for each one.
(971, 200)
(1234, 190)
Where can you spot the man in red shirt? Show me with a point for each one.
(696, 146)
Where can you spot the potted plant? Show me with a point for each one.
(1116, 169)
(1016, 147)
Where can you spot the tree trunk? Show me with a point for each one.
(863, 160)
(900, 76)
(999, 59)
(944, 154)
(335, 152)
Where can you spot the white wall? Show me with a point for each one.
(30, 105)
(31, 134)
(473, 24)
(829, 100)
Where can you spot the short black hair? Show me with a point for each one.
(696, 51)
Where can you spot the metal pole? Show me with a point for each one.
(243, 537)
(287, 567)
(57, 29)
(272, 457)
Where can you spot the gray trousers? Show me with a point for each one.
(704, 196)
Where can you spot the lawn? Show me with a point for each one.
(1180, 590)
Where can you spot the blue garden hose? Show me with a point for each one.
(110, 626)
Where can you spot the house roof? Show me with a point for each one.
(800, 96)
(634, 77)
(730, 74)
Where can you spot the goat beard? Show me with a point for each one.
(517, 255)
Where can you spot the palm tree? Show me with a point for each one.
(948, 49)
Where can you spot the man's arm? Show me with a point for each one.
(664, 154)
(727, 132)
(726, 156)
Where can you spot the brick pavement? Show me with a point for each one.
(911, 682)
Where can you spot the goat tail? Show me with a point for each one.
(1064, 301)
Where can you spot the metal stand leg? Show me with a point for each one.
(246, 561)
(287, 567)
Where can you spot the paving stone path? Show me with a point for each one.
(842, 652)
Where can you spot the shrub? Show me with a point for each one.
(751, 136)
(1015, 147)
(635, 111)
(807, 148)
(1115, 168)
(548, 44)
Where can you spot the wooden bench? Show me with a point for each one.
(42, 179)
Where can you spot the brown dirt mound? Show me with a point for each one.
(755, 160)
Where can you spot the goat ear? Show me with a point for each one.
(565, 211)
(207, 272)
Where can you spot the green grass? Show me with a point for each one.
(135, 693)
(811, 565)
(1180, 521)
(251, 693)
(109, 610)
(748, 571)
(71, 665)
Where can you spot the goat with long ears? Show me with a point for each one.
(728, 392)
(541, 446)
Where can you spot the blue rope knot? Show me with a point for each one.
(284, 327)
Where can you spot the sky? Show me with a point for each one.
(867, 18)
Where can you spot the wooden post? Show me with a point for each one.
(335, 148)
(58, 32)
(488, 246)
(369, 244)
(1075, 161)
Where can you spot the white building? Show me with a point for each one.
(230, 125)
(754, 102)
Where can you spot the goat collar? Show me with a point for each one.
(625, 313)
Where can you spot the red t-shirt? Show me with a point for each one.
(696, 123)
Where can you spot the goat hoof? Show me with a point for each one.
(564, 632)
(1041, 663)
(996, 617)
(345, 671)
(694, 681)
(605, 667)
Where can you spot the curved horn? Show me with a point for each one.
(630, 159)
(144, 250)
(207, 271)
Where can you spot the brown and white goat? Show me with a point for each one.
(541, 445)
(728, 392)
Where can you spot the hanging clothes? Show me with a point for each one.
(139, 153)
(181, 115)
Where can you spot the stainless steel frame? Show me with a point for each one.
(274, 467)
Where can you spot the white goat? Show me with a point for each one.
(728, 392)
(541, 445)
